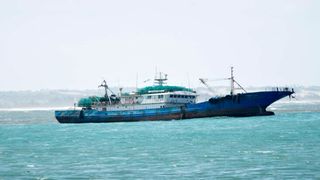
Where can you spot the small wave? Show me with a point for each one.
(264, 152)
(30, 166)
(294, 101)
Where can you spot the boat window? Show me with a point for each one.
(174, 96)
(160, 96)
(178, 96)
(148, 97)
(171, 95)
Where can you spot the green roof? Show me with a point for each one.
(87, 102)
(149, 89)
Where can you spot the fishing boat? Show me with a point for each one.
(164, 102)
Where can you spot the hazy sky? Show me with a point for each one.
(74, 44)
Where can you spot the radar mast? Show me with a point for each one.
(160, 80)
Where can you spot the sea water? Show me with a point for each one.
(285, 146)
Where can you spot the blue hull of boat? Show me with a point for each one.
(247, 104)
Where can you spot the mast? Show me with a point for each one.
(160, 81)
(104, 84)
(232, 82)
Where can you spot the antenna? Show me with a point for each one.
(120, 93)
(188, 80)
(120, 90)
(137, 82)
(155, 75)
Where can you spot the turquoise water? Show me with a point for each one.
(284, 146)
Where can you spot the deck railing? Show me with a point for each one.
(282, 89)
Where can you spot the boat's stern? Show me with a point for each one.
(68, 116)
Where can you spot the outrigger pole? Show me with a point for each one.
(232, 83)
